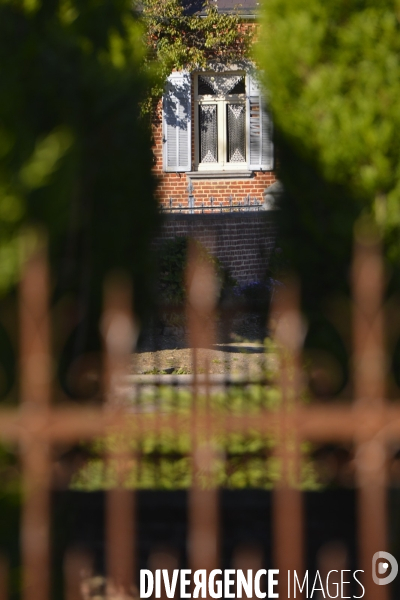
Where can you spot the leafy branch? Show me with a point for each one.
(176, 40)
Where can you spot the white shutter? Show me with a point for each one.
(177, 123)
(260, 148)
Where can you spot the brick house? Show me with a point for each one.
(213, 147)
(214, 132)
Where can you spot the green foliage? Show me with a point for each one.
(333, 75)
(177, 40)
(74, 156)
(241, 460)
(172, 256)
(332, 72)
(334, 86)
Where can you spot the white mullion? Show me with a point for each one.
(225, 133)
(221, 132)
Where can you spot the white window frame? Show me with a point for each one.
(222, 164)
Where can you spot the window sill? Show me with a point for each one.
(220, 174)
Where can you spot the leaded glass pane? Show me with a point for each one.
(208, 133)
(204, 88)
(236, 132)
(239, 88)
(221, 85)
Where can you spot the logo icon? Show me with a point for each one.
(383, 568)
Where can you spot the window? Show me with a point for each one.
(220, 121)
(232, 129)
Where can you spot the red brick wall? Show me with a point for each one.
(242, 241)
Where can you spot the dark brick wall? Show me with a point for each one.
(242, 241)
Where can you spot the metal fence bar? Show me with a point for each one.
(208, 208)
(203, 496)
(3, 578)
(314, 423)
(78, 571)
(287, 497)
(369, 384)
(118, 332)
(35, 405)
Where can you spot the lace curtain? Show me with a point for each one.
(236, 133)
(208, 133)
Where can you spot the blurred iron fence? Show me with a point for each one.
(370, 423)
